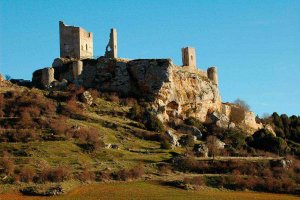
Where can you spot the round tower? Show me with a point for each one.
(212, 74)
(77, 68)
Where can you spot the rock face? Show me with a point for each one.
(186, 129)
(245, 118)
(173, 92)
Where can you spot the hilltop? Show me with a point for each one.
(110, 119)
(75, 136)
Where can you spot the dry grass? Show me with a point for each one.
(151, 190)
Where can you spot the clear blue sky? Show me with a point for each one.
(255, 44)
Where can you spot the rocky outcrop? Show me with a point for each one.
(173, 92)
(241, 117)
(172, 139)
(86, 97)
(186, 129)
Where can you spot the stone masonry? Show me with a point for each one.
(75, 42)
(189, 56)
(212, 74)
(172, 91)
(112, 48)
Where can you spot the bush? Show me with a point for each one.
(86, 175)
(133, 173)
(164, 142)
(237, 115)
(153, 123)
(242, 104)
(192, 121)
(7, 164)
(187, 141)
(198, 181)
(58, 174)
(265, 140)
(27, 174)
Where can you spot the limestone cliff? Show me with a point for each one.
(172, 91)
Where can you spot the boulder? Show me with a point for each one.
(87, 98)
(59, 85)
(201, 150)
(172, 139)
(186, 129)
(221, 120)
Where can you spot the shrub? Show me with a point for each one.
(102, 176)
(165, 168)
(133, 173)
(242, 104)
(192, 121)
(164, 142)
(187, 141)
(7, 164)
(263, 139)
(237, 115)
(86, 175)
(153, 123)
(198, 181)
(58, 174)
(27, 174)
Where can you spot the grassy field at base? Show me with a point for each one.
(151, 190)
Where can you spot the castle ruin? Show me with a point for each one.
(189, 57)
(111, 48)
(172, 91)
(75, 42)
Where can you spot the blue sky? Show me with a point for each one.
(255, 44)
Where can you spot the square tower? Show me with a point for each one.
(75, 42)
(188, 56)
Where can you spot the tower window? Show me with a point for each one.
(86, 47)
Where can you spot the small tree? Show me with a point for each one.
(242, 104)
(212, 145)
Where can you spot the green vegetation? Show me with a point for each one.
(54, 141)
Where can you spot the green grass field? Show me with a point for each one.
(151, 190)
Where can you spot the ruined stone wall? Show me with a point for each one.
(212, 74)
(188, 57)
(86, 44)
(75, 42)
(77, 67)
(111, 50)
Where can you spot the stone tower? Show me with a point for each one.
(212, 74)
(75, 42)
(112, 46)
(188, 56)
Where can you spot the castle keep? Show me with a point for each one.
(172, 91)
(75, 42)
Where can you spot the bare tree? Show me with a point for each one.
(242, 104)
(212, 143)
